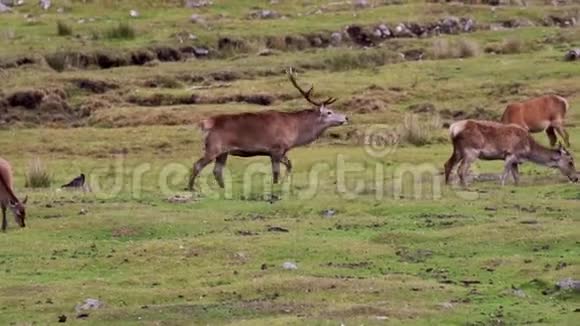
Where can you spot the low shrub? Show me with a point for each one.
(37, 176)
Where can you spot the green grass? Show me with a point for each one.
(187, 261)
(391, 253)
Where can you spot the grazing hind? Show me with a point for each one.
(486, 140)
(544, 113)
(7, 197)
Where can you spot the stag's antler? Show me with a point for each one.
(307, 95)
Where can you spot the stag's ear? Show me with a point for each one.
(25, 200)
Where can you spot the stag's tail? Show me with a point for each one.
(206, 124)
(456, 128)
(565, 103)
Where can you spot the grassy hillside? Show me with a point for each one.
(375, 235)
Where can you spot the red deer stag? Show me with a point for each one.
(488, 140)
(7, 197)
(546, 112)
(268, 133)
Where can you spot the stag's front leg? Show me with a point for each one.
(275, 169)
(4, 222)
(564, 134)
(508, 169)
(516, 173)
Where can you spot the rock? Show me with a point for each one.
(200, 52)
(180, 199)
(336, 38)
(89, 304)
(446, 305)
(134, 13)
(265, 52)
(60, 10)
(83, 212)
(290, 266)
(568, 284)
(572, 55)
(197, 3)
(468, 25)
(383, 31)
(62, 319)
(45, 4)
(561, 21)
(401, 30)
(4, 8)
(519, 293)
(361, 4)
(197, 19)
(263, 14)
(328, 213)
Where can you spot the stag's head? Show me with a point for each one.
(564, 161)
(327, 116)
(19, 210)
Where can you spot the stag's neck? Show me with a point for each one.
(309, 129)
(6, 190)
(541, 155)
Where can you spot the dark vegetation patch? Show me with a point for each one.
(124, 232)
(33, 107)
(94, 86)
(162, 81)
(372, 99)
(15, 62)
(413, 255)
(359, 310)
(440, 220)
(361, 60)
(355, 265)
(163, 99)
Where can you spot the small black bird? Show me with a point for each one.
(78, 182)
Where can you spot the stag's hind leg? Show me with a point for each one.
(198, 166)
(4, 222)
(468, 159)
(552, 136)
(220, 163)
(451, 163)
